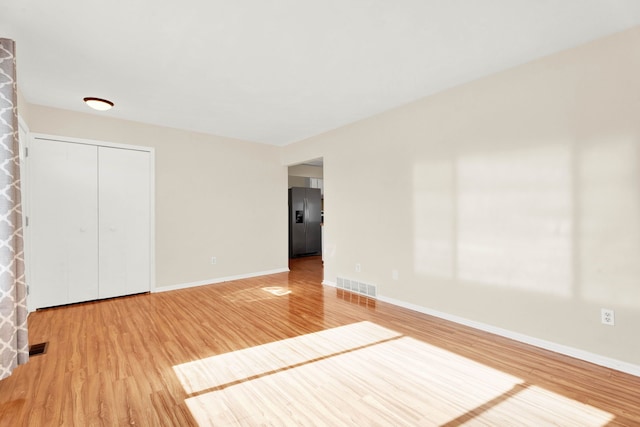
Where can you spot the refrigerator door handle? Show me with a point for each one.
(306, 214)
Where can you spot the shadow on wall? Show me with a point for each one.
(558, 219)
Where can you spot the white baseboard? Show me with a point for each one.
(597, 359)
(218, 280)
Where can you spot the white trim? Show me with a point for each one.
(23, 124)
(218, 280)
(23, 143)
(152, 220)
(597, 359)
(152, 184)
(92, 142)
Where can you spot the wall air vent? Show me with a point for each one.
(361, 288)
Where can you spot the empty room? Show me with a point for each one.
(338, 213)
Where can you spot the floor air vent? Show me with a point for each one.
(357, 287)
(38, 349)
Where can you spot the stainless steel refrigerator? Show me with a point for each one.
(305, 208)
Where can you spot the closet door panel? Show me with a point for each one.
(124, 230)
(63, 223)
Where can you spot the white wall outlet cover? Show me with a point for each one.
(607, 316)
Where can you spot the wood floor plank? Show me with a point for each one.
(276, 350)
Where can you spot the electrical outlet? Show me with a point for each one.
(607, 316)
(394, 274)
(213, 260)
(358, 268)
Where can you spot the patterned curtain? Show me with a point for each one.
(14, 342)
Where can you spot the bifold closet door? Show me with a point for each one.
(124, 221)
(63, 223)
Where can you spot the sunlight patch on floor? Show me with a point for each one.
(239, 365)
(364, 374)
(535, 406)
(277, 290)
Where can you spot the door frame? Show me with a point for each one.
(26, 194)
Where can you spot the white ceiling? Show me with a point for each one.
(278, 71)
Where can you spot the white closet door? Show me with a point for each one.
(63, 223)
(124, 212)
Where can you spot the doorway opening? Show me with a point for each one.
(306, 212)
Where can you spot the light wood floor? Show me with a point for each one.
(284, 350)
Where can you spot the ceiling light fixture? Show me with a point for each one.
(98, 103)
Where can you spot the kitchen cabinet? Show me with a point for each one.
(316, 183)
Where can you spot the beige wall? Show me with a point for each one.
(214, 196)
(513, 201)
